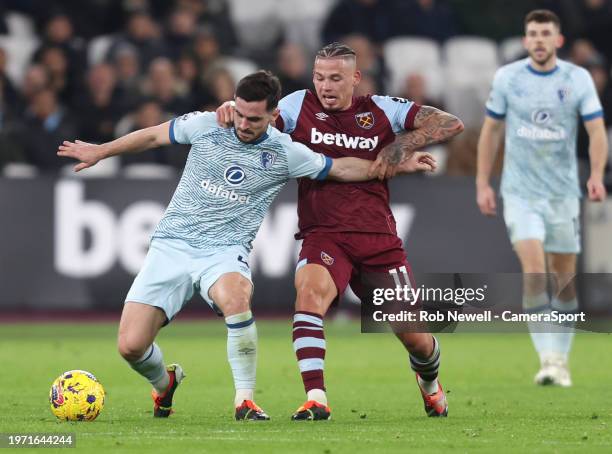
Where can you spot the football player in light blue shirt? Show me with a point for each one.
(203, 241)
(540, 100)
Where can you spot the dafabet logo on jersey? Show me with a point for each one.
(544, 130)
(234, 175)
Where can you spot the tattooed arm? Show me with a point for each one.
(431, 126)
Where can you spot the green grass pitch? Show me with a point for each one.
(494, 407)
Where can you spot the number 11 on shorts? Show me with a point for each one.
(395, 274)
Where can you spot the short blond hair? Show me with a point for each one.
(336, 50)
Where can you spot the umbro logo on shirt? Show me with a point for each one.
(321, 116)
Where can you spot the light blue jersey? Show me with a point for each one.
(541, 111)
(227, 185)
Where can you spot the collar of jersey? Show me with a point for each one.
(542, 73)
(263, 137)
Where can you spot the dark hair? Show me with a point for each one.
(259, 86)
(543, 16)
(336, 50)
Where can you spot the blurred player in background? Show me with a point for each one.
(349, 230)
(540, 99)
(203, 241)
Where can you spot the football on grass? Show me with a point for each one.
(76, 395)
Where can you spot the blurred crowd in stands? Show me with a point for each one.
(97, 69)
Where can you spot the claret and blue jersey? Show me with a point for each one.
(541, 111)
(363, 130)
(227, 185)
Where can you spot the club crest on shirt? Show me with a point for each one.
(563, 93)
(365, 120)
(327, 259)
(268, 158)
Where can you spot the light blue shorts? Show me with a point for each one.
(555, 222)
(173, 271)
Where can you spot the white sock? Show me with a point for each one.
(317, 395)
(151, 366)
(541, 341)
(242, 395)
(563, 335)
(430, 387)
(242, 353)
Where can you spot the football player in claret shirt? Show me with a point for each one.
(348, 231)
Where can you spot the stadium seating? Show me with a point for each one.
(458, 73)
(407, 55)
(302, 21)
(511, 49)
(20, 25)
(471, 52)
(471, 63)
(98, 48)
(238, 67)
(19, 50)
(257, 28)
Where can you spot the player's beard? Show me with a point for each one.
(542, 61)
(246, 135)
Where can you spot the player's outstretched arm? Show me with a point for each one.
(431, 126)
(349, 169)
(355, 169)
(489, 142)
(598, 153)
(88, 154)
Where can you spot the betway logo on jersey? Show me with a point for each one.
(343, 140)
(535, 133)
(218, 190)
